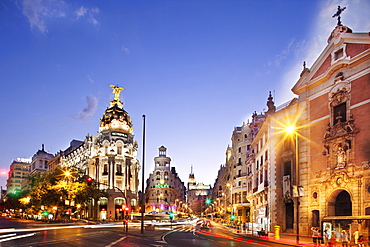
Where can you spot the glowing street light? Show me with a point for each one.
(292, 131)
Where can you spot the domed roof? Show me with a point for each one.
(115, 117)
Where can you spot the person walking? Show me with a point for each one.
(333, 240)
(320, 239)
(355, 237)
(360, 241)
(344, 238)
(326, 238)
(315, 236)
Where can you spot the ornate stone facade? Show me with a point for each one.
(164, 191)
(110, 159)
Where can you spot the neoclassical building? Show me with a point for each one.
(110, 159)
(197, 194)
(164, 189)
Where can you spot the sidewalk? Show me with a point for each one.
(285, 238)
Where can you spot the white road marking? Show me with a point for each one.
(117, 241)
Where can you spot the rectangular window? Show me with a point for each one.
(340, 113)
(338, 54)
(287, 168)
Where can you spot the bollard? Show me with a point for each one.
(277, 232)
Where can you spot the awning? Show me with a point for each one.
(358, 217)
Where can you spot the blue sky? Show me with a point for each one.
(196, 68)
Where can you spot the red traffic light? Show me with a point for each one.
(89, 180)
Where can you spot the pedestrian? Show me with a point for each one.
(355, 236)
(344, 238)
(360, 241)
(315, 236)
(320, 240)
(326, 238)
(333, 240)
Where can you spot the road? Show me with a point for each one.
(209, 237)
(24, 233)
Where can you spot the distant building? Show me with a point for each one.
(18, 173)
(164, 189)
(40, 161)
(197, 194)
(219, 194)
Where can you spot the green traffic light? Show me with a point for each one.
(232, 217)
(45, 213)
(208, 201)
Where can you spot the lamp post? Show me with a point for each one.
(292, 130)
(142, 181)
(231, 197)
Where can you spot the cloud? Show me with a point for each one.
(89, 77)
(356, 16)
(3, 173)
(92, 103)
(39, 11)
(81, 12)
(89, 13)
(293, 48)
(125, 49)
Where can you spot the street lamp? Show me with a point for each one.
(231, 196)
(292, 131)
(142, 180)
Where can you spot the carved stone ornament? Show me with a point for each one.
(339, 179)
(340, 92)
(340, 129)
(338, 31)
(340, 152)
(366, 165)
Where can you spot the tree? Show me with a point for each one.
(59, 190)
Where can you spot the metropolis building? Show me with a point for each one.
(110, 159)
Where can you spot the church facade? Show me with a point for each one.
(333, 142)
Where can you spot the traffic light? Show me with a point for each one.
(171, 216)
(127, 214)
(89, 181)
(232, 217)
(45, 213)
(208, 201)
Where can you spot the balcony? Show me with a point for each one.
(244, 174)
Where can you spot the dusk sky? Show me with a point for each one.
(195, 68)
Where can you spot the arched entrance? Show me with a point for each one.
(343, 204)
(339, 203)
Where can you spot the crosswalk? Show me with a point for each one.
(12, 236)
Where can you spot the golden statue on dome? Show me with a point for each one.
(116, 91)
